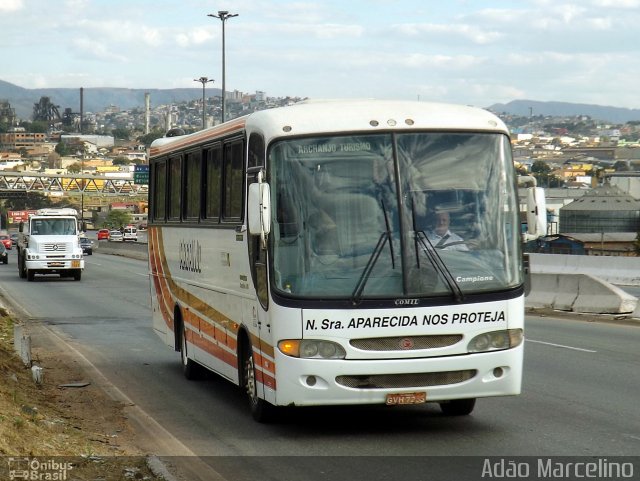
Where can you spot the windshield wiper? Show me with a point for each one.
(438, 264)
(364, 277)
(366, 273)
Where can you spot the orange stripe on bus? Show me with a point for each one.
(204, 317)
(201, 137)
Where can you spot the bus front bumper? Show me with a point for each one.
(309, 382)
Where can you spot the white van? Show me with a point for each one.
(130, 233)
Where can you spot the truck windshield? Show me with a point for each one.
(53, 226)
(393, 215)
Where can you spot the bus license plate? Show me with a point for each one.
(75, 264)
(406, 398)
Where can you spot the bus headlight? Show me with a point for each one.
(312, 349)
(496, 340)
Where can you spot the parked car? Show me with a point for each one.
(115, 236)
(103, 234)
(4, 255)
(14, 238)
(87, 245)
(6, 240)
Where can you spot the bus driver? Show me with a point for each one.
(440, 235)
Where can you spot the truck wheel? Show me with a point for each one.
(31, 276)
(77, 275)
(21, 269)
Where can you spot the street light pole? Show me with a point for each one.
(223, 15)
(204, 81)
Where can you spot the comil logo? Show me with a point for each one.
(39, 469)
(407, 302)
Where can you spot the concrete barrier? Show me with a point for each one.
(135, 250)
(614, 269)
(578, 293)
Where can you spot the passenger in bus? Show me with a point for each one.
(441, 236)
(324, 238)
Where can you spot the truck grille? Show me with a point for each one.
(55, 247)
(398, 381)
(405, 343)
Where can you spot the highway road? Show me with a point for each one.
(580, 395)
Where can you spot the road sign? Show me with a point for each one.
(141, 175)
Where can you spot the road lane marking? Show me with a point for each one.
(561, 345)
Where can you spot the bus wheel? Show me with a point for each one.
(261, 410)
(458, 407)
(190, 368)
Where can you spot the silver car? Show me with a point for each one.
(115, 236)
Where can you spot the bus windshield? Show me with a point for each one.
(392, 215)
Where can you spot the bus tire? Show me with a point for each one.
(458, 407)
(261, 410)
(191, 370)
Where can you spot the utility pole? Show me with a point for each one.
(204, 81)
(223, 15)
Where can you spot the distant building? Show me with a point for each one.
(97, 140)
(18, 138)
(607, 244)
(604, 209)
(628, 182)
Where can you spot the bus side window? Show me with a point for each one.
(159, 191)
(175, 187)
(233, 181)
(213, 180)
(192, 181)
(256, 151)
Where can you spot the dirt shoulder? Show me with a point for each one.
(67, 415)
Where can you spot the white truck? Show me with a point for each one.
(48, 243)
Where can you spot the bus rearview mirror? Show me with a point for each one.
(259, 209)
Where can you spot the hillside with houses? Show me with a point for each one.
(575, 157)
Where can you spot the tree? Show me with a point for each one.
(121, 160)
(540, 170)
(31, 200)
(118, 218)
(75, 168)
(36, 127)
(150, 137)
(121, 133)
(62, 149)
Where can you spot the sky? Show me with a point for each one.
(463, 51)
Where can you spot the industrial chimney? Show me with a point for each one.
(147, 112)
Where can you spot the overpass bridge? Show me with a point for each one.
(16, 183)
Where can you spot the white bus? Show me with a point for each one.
(291, 252)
